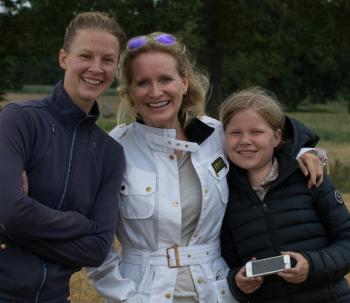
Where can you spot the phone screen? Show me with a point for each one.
(268, 265)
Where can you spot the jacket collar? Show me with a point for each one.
(196, 131)
(62, 106)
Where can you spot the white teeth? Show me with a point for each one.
(91, 81)
(158, 104)
(247, 153)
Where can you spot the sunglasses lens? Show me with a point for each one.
(137, 42)
(165, 39)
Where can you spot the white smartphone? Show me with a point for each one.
(267, 266)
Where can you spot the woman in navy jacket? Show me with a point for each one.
(272, 211)
(65, 218)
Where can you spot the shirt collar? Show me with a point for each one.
(61, 104)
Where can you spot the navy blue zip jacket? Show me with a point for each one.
(313, 222)
(68, 218)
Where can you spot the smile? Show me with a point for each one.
(158, 104)
(92, 81)
(247, 154)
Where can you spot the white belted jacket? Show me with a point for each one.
(149, 225)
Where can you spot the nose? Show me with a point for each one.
(246, 139)
(155, 90)
(96, 66)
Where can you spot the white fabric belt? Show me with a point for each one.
(175, 256)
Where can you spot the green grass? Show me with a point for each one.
(330, 127)
(340, 176)
(107, 124)
(45, 89)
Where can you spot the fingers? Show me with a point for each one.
(299, 273)
(310, 165)
(303, 167)
(320, 173)
(25, 182)
(247, 284)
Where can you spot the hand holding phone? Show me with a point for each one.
(267, 266)
(247, 284)
(299, 272)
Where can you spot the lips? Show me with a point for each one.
(158, 104)
(92, 81)
(247, 154)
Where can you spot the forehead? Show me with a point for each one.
(95, 39)
(153, 63)
(248, 117)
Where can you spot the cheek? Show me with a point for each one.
(229, 143)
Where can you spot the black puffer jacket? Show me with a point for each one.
(314, 222)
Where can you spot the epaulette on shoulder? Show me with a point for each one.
(210, 121)
(118, 131)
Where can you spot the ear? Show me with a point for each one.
(62, 59)
(278, 137)
(185, 85)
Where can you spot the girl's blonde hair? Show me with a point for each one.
(193, 102)
(257, 99)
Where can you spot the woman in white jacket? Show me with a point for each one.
(174, 193)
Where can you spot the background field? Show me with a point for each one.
(331, 123)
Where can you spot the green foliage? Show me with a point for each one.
(340, 176)
(331, 127)
(298, 49)
(107, 124)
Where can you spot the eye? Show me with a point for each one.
(142, 83)
(257, 132)
(234, 133)
(109, 60)
(165, 80)
(85, 56)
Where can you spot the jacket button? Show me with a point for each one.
(2, 246)
(222, 291)
(168, 295)
(122, 187)
(199, 281)
(205, 190)
(171, 157)
(148, 189)
(175, 204)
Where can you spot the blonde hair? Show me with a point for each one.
(257, 99)
(92, 21)
(193, 102)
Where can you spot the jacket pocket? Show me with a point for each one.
(137, 194)
(218, 168)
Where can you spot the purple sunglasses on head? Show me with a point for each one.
(139, 41)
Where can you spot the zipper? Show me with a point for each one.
(62, 197)
(266, 213)
(41, 283)
(69, 163)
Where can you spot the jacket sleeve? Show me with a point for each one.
(109, 282)
(20, 215)
(90, 249)
(332, 262)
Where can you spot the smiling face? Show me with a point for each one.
(157, 89)
(90, 66)
(250, 142)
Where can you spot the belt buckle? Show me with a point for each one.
(176, 252)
